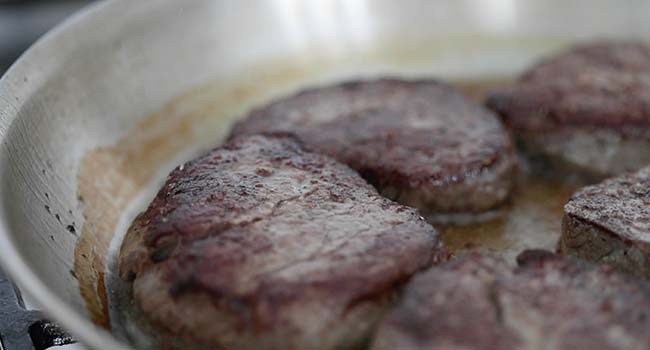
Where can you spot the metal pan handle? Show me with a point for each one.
(22, 329)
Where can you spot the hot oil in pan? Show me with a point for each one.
(532, 220)
(110, 177)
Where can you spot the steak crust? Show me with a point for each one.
(548, 302)
(261, 244)
(421, 143)
(585, 110)
(610, 223)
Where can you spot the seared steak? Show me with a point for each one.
(259, 244)
(421, 143)
(610, 223)
(586, 110)
(548, 302)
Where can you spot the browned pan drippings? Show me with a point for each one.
(532, 220)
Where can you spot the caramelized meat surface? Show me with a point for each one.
(548, 302)
(260, 244)
(421, 143)
(610, 223)
(585, 110)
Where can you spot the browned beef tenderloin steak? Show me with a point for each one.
(548, 302)
(259, 244)
(586, 110)
(610, 223)
(421, 143)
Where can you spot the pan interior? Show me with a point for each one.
(93, 117)
(532, 220)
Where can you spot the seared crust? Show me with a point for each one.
(259, 243)
(422, 143)
(588, 106)
(548, 302)
(610, 222)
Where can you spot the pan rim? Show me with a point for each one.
(13, 90)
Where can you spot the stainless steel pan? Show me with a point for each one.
(97, 111)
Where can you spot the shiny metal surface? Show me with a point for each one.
(97, 77)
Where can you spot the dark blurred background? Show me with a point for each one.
(23, 21)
